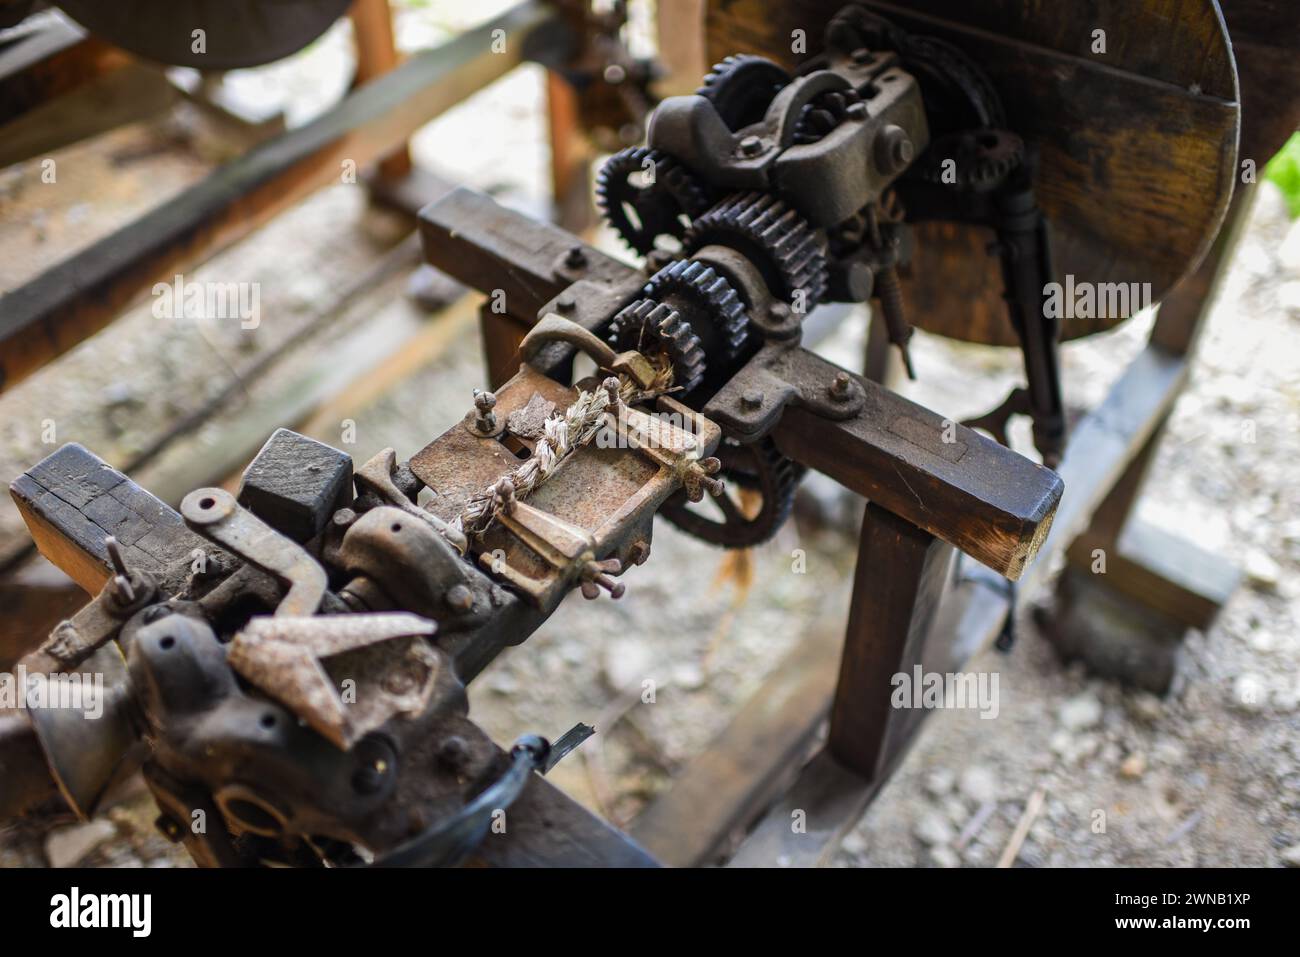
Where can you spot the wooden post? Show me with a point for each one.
(372, 26)
(899, 581)
(570, 156)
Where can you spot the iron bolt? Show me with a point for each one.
(856, 111)
(752, 399)
(486, 420)
(566, 303)
(454, 752)
(122, 590)
(779, 313)
(639, 552)
(894, 149)
(460, 598)
(576, 258)
(862, 55)
(751, 146)
(841, 388)
(611, 385)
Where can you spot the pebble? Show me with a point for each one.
(626, 663)
(933, 829)
(854, 843)
(943, 856)
(1081, 712)
(688, 676)
(1262, 572)
(939, 782)
(1291, 856)
(68, 846)
(1134, 766)
(979, 784)
(1249, 693)
(1146, 707)
(955, 808)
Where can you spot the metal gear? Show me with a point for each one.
(648, 326)
(709, 304)
(790, 255)
(644, 210)
(757, 466)
(982, 159)
(742, 87)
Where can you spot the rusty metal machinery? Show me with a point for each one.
(289, 662)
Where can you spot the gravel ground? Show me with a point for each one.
(1209, 775)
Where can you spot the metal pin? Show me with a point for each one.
(122, 589)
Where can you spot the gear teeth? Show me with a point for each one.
(658, 206)
(646, 324)
(761, 223)
(703, 292)
(741, 87)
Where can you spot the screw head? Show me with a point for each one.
(856, 111)
(566, 303)
(752, 399)
(861, 55)
(575, 258)
(751, 146)
(841, 388)
(460, 598)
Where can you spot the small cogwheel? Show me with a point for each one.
(649, 327)
(981, 159)
(742, 87)
(711, 306)
(646, 194)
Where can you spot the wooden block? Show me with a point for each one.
(72, 500)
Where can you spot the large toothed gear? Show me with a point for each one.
(649, 327)
(645, 194)
(709, 303)
(742, 87)
(769, 477)
(788, 252)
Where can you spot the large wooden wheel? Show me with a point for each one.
(1138, 145)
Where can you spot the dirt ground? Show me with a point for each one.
(1209, 775)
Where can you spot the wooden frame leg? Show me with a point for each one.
(570, 157)
(501, 337)
(372, 26)
(901, 575)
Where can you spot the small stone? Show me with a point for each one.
(1134, 765)
(1262, 572)
(955, 808)
(626, 663)
(1146, 707)
(933, 829)
(1249, 693)
(1291, 856)
(688, 676)
(944, 857)
(939, 782)
(979, 784)
(855, 843)
(68, 846)
(1081, 712)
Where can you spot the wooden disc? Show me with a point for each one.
(1137, 145)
